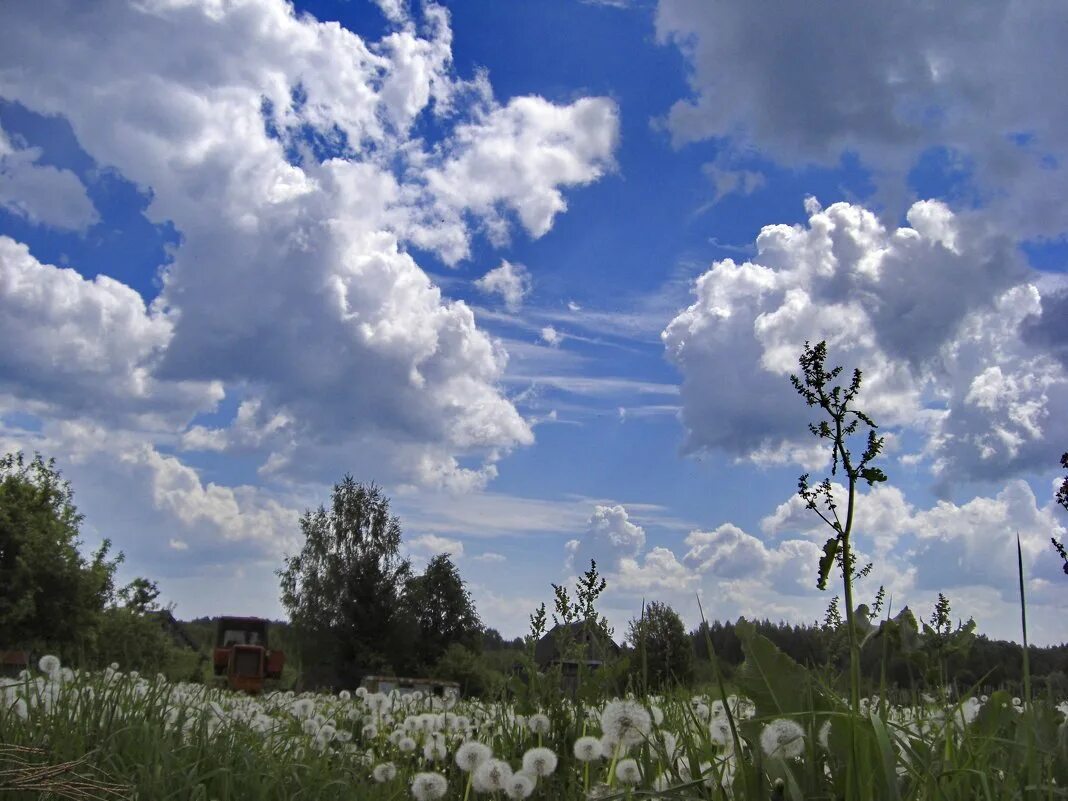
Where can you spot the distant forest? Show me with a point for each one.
(986, 664)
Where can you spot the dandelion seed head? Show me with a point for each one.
(824, 735)
(429, 786)
(627, 771)
(49, 664)
(491, 776)
(587, 749)
(626, 721)
(783, 738)
(539, 724)
(471, 754)
(539, 761)
(384, 772)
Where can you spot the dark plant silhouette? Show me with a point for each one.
(840, 423)
(1062, 498)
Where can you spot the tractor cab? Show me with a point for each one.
(242, 657)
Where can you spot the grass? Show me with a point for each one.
(147, 737)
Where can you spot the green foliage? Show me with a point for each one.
(476, 677)
(773, 681)
(134, 641)
(444, 612)
(51, 597)
(343, 590)
(140, 595)
(664, 649)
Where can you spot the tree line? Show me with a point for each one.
(356, 606)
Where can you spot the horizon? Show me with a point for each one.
(542, 272)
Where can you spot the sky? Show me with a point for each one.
(542, 271)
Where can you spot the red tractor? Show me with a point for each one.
(241, 654)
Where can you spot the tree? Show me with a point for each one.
(439, 602)
(139, 596)
(663, 648)
(841, 423)
(50, 595)
(343, 590)
(1062, 499)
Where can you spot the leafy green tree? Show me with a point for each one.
(461, 664)
(442, 608)
(343, 590)
(51, 597)
(664, 651)
(139, 596)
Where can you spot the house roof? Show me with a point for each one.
(598, 645)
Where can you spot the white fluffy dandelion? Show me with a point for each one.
(626, 721)
(627, 772)
(491, 776)
(384, 772)
(539, 724)
(429, 786)
(539, 762)
(49, 665)
(434, 751)
(719, 730)
(824, 735)
(519, 786)
(472, 754)
(783, 738)
(587, 749)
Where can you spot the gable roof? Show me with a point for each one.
(597, 644)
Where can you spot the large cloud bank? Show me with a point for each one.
(890, 84)
(285, 151)
(935, 314)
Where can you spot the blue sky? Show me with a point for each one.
(542, 270)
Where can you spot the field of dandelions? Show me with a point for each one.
(779, 734)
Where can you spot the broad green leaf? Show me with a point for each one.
(773, 681)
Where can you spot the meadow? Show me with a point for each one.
(778, 732)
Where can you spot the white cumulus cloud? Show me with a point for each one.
(280, 148)
(511, 281)
(40, 192)
(931, 313)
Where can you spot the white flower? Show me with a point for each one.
(49, 665)
(491, 776)
(627, 771)
(472, 754)
(783, 738)
(369, 732)
(384, 772)
(539, 761)
(587, 749)
(434, 751)
(824, 735)
(626, 721)
(302, 708)
(539, 724)
(519, 786)
(429, 786)
(720, 732)
(406, 745)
